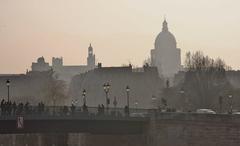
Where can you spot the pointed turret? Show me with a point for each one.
(90, 49)
(91, 57)
(164, 25)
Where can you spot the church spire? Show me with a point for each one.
(165, 25)
(90, 49)
(91, 57)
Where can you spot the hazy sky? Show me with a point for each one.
(121, 31)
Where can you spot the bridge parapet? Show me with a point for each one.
(197, 117)
(64, 112)
(58, 119)
(184, 129)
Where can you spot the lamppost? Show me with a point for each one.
(220, 101)
(230, 98)
(115, 105)
(154, 101)
(115, 102)
(128, 90)
(136, 104)
(106, 87)
(8, 86)
(84, 96)
(182, 92)
(54, 105)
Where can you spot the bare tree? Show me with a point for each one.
(55, 90)
(205, 79)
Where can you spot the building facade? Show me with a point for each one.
(144, 84)
(40, 65)
(65, 72)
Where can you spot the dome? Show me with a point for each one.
(165, 39)
(41, 60)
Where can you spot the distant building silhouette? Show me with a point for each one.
(165, 55)
(40, 65)
(90, 58)
(65, 72)
(143, 82)
(25, 87)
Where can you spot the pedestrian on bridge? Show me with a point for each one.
(14, 107)
(126, 110)
(73, 109)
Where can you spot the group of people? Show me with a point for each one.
(8, 107)
(73, 109)
(114, 112)
(12, 108)
(41, 107)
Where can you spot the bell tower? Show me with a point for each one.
(90, 58)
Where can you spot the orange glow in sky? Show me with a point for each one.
(121, 31)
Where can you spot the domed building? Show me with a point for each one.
(165, 55)
(40, 65)
(65, 72)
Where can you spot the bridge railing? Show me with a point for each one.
(68, 111)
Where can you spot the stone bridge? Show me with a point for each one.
(152, 129)
(180, 129)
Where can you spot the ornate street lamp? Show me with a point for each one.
(8, 86)
(84, 97)
(230, 98)
(154, 101)
(128, 90)
(182, 92)
(106, 88)
(220, 101)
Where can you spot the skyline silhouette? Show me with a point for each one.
(121, 31)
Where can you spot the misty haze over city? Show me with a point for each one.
(119, 73)
(121, 31)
